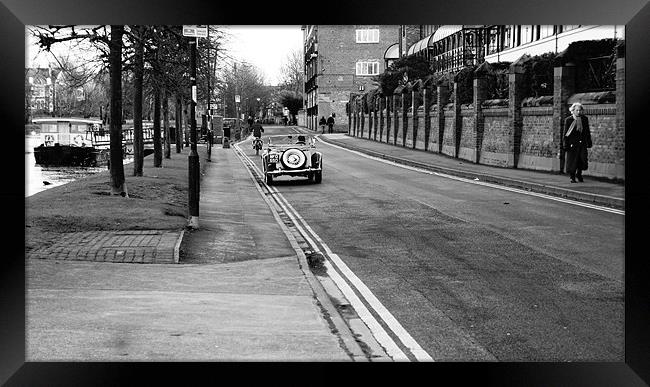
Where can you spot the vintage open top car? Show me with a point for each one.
(293, 155)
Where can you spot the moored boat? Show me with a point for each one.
(68, 141)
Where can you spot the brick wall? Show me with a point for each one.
(434, 132)
(607, 156)
(409, 130)
(538, 150)
(399, 119)
(497, 137)
(514, 136)
(338, 53)
(420, 138)
(449, 133)
(467, 149)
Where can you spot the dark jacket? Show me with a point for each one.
(257, 130)
(576, 144)
(330, 121)
(322, 121)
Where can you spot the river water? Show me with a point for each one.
(39, 178)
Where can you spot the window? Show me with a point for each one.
(526, 34)
(567, 28)
(368, 36)
(546, 31)
(507, 37)
(493, 35)
(367, 68)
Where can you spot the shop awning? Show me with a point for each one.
(445, 31)
(419, 45)
(392, 52)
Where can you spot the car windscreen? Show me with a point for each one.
(290, 139)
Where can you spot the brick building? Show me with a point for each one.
(39, 90)
(339, 60)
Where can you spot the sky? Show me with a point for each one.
(265, 47)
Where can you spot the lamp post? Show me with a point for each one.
(209, 130)
(193, 32)
(193, 158)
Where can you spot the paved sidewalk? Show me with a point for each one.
(240, 292)
(596, 191)
(129, 246)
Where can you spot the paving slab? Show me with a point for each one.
(238, 292)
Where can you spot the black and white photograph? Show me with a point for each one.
(340, 193)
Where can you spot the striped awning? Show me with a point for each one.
(445, 31)
(419, 45)
(392, 52)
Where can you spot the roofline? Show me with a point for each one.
(65, 119)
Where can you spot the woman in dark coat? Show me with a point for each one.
(322, 123)
(577, 138)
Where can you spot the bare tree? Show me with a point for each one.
(138, 72)
(118, 183)
(110, 47)
(292, 72)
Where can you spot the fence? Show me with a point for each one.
(517, 132)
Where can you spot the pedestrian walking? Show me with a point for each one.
(284, 120)
(577, 138)
(322, 123)
(330, 123)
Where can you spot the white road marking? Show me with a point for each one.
(379, 333)
(490, 185)
(367, 294)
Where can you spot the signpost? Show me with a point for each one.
(193, 33)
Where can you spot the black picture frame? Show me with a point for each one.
(635, 14)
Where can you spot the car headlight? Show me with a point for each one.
(293, 158)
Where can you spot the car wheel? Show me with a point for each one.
(310, 177)
(318, 177)
(269, 179)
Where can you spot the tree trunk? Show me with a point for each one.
(165, 108)
(138, 71)
(179, 144)
(157, 145)
(118, 184)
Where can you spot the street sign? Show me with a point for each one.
(237, 99)
(193, 31)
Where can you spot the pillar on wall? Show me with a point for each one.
(389, 106)
(563, 88)
(480, 94)
(349, 112)
(380, 102)
(363, 117)
(516, 95)
(396, 120)
(377, 113)
(370, 114)
(458, 118)
(405, 122)
(620, 97)
(414, 109)
(443, 100)
(427, 123)
(353, 108)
